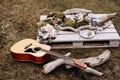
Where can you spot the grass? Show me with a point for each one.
(18, 20)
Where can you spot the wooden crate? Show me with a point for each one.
(106, 38)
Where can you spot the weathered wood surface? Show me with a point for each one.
(76, 37)
(91, 61)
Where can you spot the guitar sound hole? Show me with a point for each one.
(33, 50)
(37, 49)
(29, 50)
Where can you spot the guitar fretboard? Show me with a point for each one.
(56, 54)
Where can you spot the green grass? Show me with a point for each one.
(18, 20)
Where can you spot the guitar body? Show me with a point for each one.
(28, 57)
(26, 50)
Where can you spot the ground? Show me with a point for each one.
(18, 20)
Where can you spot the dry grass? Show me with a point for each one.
(18, 20)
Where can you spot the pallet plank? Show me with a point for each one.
(110, 30)
(76, 37)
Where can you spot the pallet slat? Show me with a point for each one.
(103, 31)
(76, 37)
(108, 31)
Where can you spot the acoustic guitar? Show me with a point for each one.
(25, 50)
(31, 50)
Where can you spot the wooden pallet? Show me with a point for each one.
(106, 38)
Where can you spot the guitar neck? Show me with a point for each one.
(56, 54)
